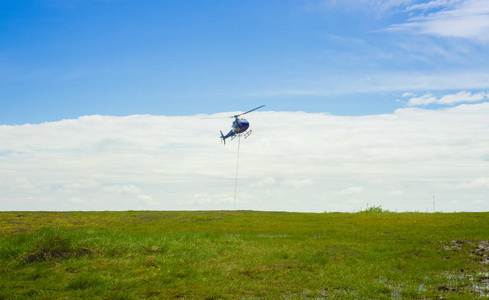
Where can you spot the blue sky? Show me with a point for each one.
(65, 59)
(367, 102)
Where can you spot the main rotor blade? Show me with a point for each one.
(209, 118)
(235, 116)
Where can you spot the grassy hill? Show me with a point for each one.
(243, 255)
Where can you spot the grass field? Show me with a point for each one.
(243, 255)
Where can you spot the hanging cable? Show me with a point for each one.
(237, 165)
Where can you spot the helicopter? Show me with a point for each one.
(239, 127)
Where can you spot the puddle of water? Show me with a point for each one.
(478, 283)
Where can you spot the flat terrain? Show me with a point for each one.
(243, 255)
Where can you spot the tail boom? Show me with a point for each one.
(224, 137)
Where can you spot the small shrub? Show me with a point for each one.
(52, 244)
(374, 210)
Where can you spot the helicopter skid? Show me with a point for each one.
(247, 134)
(244, 134)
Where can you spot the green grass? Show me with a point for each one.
(374, 254)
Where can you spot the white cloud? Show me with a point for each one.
(377, 7)
(208, 199)
(431, 5)
(293, 161)
(479, 183)
(422, 100)
(148, 200)
(350, 191)
(298, 183)
(450, 99)
(267, 181)
(462, 96)
(396, 193)
(122, 189)
(457, 19)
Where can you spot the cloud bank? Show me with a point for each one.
(293, 161)
(468, 19)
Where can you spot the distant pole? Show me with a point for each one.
(237, 165)
(433, 203)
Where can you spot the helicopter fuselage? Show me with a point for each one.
(239, 126)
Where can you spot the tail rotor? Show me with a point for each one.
(223, 138)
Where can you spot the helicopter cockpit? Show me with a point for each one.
(240, 125)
